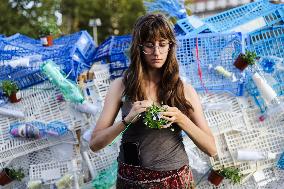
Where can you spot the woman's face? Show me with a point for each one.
(156, 52)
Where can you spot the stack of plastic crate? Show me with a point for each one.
(202, 54)
(113, 50)
(73, 53)
(41, 103)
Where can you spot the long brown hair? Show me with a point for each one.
(170, 88)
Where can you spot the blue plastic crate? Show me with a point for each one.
(280, 162)
(82, 42)
(114, 45)
(117, 69)
(214, 50)
(192, 25)
(22, 39)
(270, 13)
(178, 31)
(68, 52)
(267, 42)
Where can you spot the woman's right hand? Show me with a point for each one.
(137, 108)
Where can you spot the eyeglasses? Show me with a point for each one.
(149, 48)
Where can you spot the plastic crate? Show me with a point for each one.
(82, 42)
(101, 160)
(246, 17)
(22, 39)
(117, 69)
(263, 136)
(210, 50)
(114, 45)
(72, 53)
(192, 26)
(38, 104)
(267, 42)
(222, 121)
(50, 172)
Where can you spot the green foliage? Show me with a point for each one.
(231, 173)
(9, 87)
(15, 174)
(152, 117)
(250, 57)
(49, 28)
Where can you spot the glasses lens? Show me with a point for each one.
(149, 49)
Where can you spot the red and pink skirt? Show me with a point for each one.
(136, 177)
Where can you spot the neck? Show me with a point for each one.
(153, 76)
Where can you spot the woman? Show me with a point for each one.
(153, 158)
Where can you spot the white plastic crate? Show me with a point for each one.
(39, 104)
(50, 172)
(101, 160)
(221, 121)
(46, 155)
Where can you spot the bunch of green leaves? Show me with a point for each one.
(152, 117)
(231, 173)
(9, 87)
(15, 174)
(250, 57)
(49, 28)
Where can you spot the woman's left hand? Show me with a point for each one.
(173, 115)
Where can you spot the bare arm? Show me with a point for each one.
(196, 126)
(105, 131)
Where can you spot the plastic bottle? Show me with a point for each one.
(252, 155)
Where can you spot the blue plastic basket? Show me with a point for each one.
(214, 50)
(280, 162)
(113, 49)
(117, 69)
(22, 39)
(185, 27)
(267, 42)
(225, 21)
(82, 43)
(67, 55)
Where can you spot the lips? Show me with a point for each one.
(156, 60)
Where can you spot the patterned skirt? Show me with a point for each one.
(136, 177)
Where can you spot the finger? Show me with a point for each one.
(170, 119)
(167, 125)
(168, 114)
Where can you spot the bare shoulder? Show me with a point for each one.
(189, 92)
(117, 86)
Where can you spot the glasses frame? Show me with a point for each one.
(169, 43)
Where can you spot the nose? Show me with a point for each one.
(156, 50)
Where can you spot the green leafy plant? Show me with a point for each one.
(231, 173)
(250, 57)
(153, 119)
(9, 87)
(49, 28)
(15, 174)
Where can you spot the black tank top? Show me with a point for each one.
(159, 149)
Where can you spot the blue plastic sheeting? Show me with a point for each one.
(211, 50)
